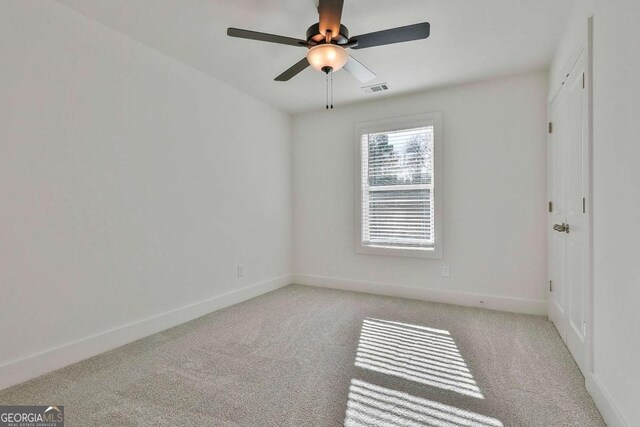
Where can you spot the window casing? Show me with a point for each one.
(399, 186)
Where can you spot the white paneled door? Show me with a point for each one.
(568, 218)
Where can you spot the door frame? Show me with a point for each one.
(586, 49)
(589, 303)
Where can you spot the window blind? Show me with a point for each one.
(397, 189)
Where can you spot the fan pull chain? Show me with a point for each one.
(332, 89)
(329, 85)
(327, 90)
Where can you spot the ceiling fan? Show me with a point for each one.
(328, 40)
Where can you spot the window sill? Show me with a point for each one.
(433, 253)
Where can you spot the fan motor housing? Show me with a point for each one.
(315, 37)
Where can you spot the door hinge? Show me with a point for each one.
(583, 84)
(550, 207)
(584, 205)
(550, 285)
(550, 127)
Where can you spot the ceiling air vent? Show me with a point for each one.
(380, 87)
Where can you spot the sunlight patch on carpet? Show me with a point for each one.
(416, 353)
(377, 406)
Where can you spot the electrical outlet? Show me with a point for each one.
(240, 270)
(445, 271)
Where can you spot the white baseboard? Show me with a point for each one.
(609, 411)
(49, 360)
(515, 305)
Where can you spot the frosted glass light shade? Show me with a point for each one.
(327, 55)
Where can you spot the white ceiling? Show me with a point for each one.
(470, 40)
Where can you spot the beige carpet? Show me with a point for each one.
(303, 356)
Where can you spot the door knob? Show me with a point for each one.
(561, 228)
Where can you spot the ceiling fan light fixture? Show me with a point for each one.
(327, 55)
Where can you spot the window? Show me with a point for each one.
(399, 187)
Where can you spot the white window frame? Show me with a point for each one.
(390, 125)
